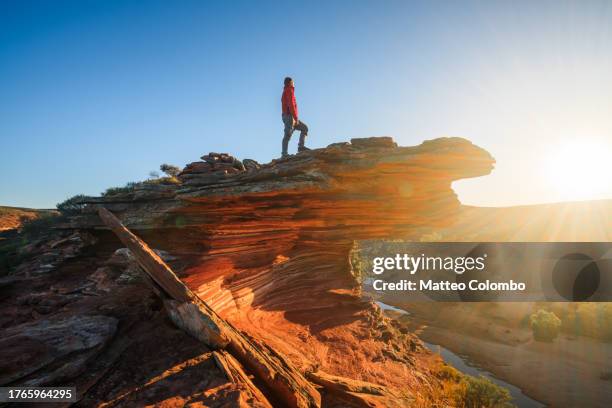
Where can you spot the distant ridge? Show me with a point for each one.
(13, 217)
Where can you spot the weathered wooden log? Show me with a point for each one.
(234, 373)
(195, 317)
(359, 394)
(342, 384)
(206, 326)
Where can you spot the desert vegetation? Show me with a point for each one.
(73, 205)
(545, 325)
(171, 172)
(588, 319)
(465, 391)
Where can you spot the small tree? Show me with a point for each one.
(545, 325)
(72, 205)
(170, 170)
(482, 392)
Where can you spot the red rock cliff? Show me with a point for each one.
(268, 247)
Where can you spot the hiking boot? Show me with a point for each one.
(284, 154)
(303, 149)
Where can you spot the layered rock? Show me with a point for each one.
(213, 166)
(268, 248)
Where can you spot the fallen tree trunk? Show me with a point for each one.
(342, 384)
(359, 394)
(234, 373)
(195, 317)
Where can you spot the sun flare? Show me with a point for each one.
(579, 169)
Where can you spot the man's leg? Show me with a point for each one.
(301, 126)
(288, 121)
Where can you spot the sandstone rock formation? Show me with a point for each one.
(214, 166)
(267, 247)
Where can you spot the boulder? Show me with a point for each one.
(251, 165)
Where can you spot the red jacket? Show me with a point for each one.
(288, 101)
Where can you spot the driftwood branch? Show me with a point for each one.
(342, 384)
(234, 373)
(360, 394)
(198, 319)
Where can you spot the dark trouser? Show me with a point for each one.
(289, 128)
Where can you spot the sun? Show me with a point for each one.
(579, 169)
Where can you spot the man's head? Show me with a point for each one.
(289, 81)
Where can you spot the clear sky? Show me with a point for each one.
(94, 94)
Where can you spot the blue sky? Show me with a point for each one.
(99, 93)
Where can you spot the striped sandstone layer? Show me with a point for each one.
(268, 247)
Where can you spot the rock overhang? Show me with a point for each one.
(268, 246)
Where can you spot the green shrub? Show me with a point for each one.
(72, 205)
(161, 180)
(111, 191)
(466, 391)
(450, 373)
(545, 325)
(130, 187)
(482, 392)
(170, 170)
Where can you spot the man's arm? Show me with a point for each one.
(293, 106)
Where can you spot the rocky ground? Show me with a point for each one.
(79, 313)
(267, 247)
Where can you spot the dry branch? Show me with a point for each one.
(234, 373)
(198, 319)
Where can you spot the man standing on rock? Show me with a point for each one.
(290, 118)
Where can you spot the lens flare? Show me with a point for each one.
(580, 169)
